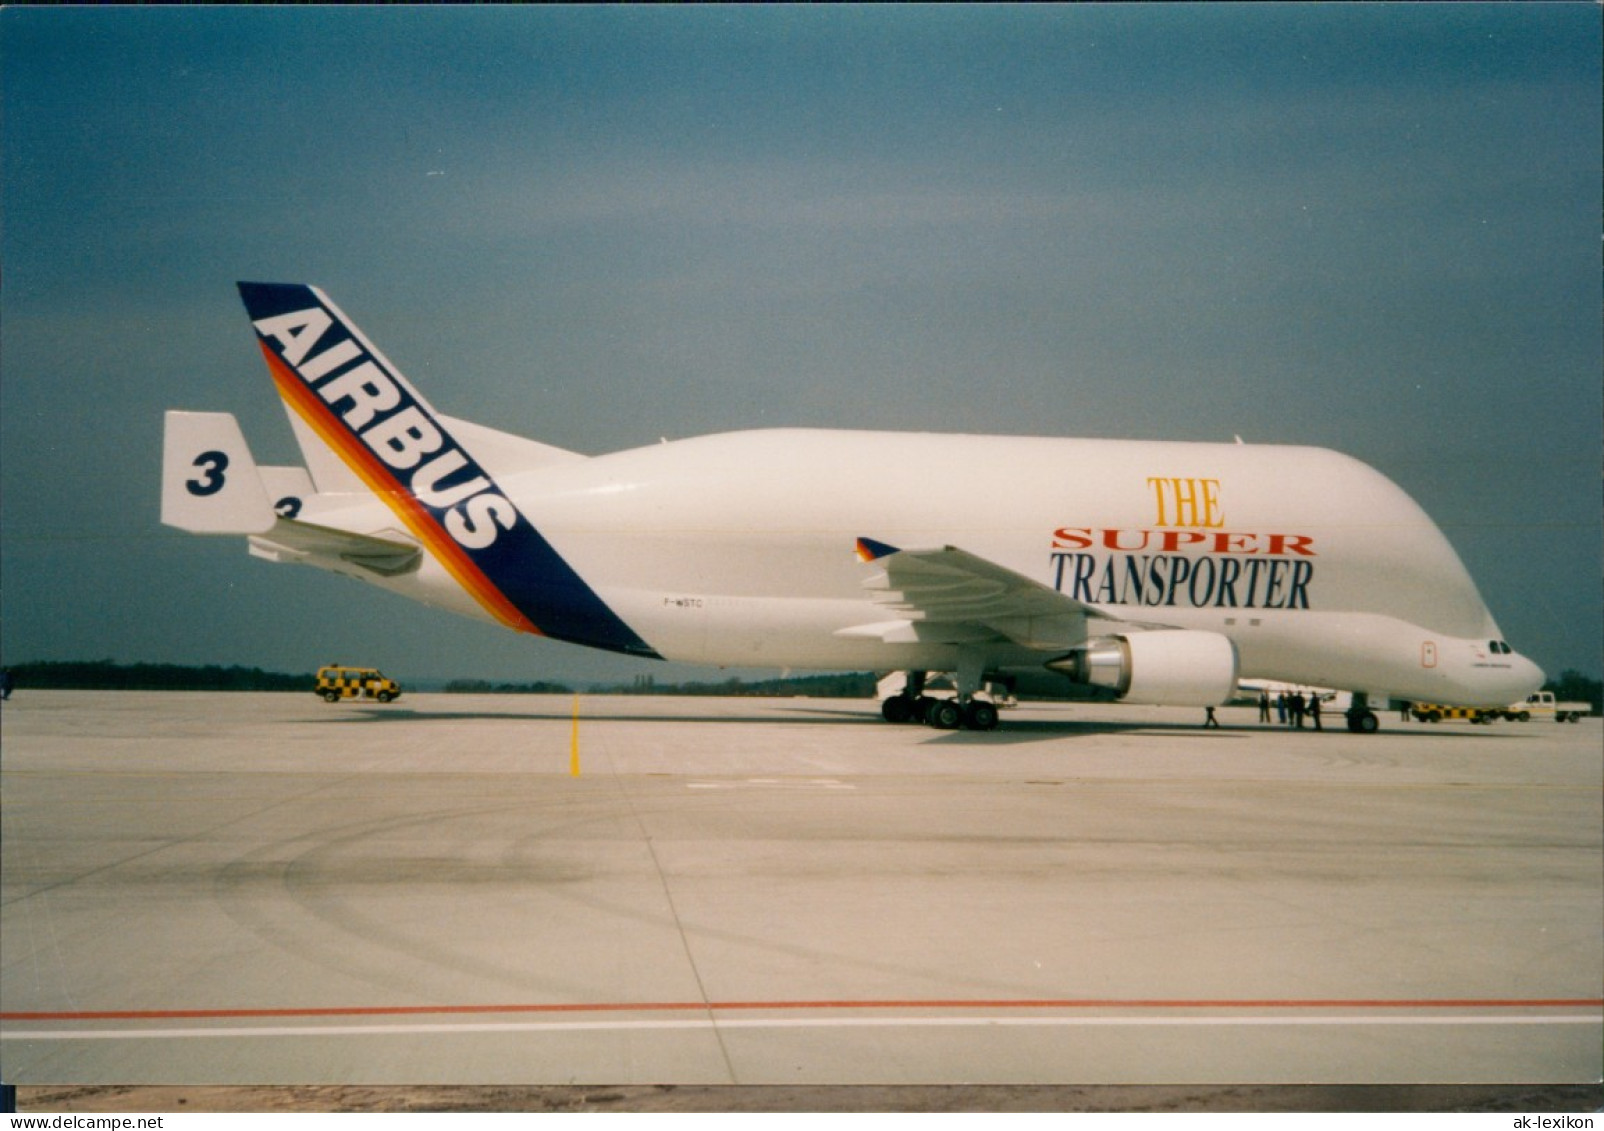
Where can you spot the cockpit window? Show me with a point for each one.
(1499, 648)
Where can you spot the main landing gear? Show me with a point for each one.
(912, 705)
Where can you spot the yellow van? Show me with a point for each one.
(338, 681)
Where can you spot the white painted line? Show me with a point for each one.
(710, 1024)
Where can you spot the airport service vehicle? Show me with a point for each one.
(1157, 572)
(1539, 704)
(1437, 712)
(340, 681)
(1542, 704)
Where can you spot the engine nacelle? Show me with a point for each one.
(1168, 667)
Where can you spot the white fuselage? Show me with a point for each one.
(738, 550)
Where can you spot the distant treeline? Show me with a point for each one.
(485, 687)
(107, 675)
(839, 685)
(1574, 686)
(849, 685)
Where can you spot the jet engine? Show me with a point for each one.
(1171, 667)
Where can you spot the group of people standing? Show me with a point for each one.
(1291, 709)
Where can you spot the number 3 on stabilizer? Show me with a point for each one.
(210, 483)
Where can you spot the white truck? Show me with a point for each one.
(1542, 705)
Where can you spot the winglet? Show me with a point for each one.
(869, 550)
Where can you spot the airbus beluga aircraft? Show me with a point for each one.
(1157, 572)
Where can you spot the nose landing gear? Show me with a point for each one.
(1361, 719)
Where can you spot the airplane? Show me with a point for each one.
(1151, 572)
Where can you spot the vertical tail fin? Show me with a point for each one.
(357, 403)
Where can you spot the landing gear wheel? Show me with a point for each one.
(980, 715)
(1364, 722)
(944, 714)
(897, 709)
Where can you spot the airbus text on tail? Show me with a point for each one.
(361, 406)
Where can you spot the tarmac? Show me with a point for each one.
(214, 889)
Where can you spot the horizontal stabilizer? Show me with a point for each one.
(328, 548)
(210, 483)
(288, 487)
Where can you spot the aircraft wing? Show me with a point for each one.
(949, 595)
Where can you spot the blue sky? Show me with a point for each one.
(1367, 227)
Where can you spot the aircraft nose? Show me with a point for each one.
(1519, 679)
(1530, 675)
(1509, 679)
